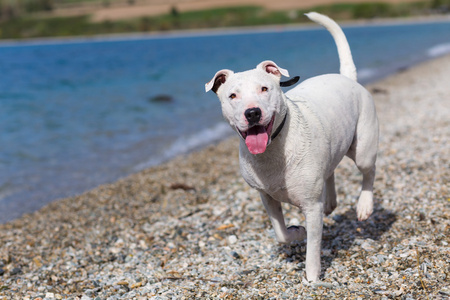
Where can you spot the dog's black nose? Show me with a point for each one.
(253, 115)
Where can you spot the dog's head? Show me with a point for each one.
(251, 102)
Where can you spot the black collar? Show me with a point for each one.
(274, 135)
(290, 82)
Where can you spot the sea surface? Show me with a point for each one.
(81, 112)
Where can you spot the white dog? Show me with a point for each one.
(291, 143)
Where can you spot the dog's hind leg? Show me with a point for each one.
(364, 153)
(330, 195)
(275, 212)
(364, 207)
(365, 161)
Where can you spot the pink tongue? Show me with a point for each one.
(256, 139)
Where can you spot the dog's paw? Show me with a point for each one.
(364, 208)
(312, 273)
(296, 233)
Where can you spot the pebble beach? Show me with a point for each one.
(192, 229)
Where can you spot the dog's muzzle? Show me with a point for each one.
(258, 136)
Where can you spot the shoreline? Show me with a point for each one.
(189, 33)
(191, 227)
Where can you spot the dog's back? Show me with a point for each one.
(333, 119)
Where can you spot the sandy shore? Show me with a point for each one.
(192, 228)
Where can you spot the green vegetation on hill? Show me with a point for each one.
(26, 25)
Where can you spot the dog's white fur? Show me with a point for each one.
(328, 117)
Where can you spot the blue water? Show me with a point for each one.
(77, 113)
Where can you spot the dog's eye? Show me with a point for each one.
(264, 89)
(232, 96)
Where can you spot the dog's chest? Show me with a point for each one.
(263, 177)
(277, 181)
(266, 175)
(281, 174)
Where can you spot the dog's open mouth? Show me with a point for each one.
(258, 137)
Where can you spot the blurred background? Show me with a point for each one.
(42, 18)
(94, 90)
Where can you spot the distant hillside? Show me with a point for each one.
(44, 18)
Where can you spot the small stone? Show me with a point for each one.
(89, 292)
(232, 239)
(235, 255)
(201, 244)
(123, 282)
(137, 284)
(338, 218)
(15, 271)
(445, 292)
(368, 245)
(399, 292)
(294, 222)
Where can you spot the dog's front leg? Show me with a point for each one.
(314, 226)
(275, 212)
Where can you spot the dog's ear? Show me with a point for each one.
(272, 68)
(218, 79)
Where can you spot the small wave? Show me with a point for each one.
(186, 144)
(439, 50)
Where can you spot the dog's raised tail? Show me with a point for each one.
(347, 68)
